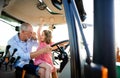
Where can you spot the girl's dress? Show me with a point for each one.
(45, 57)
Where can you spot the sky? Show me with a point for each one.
(117, 22)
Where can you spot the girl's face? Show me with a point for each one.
(42, 37)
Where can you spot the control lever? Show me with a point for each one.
(2, 59)
(14, 62)
(11, 59)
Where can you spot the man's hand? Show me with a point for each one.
(34, 36)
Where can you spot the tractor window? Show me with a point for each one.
(6, 32)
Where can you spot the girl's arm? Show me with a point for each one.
(41, 51)
(39, 31)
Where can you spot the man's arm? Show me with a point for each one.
(41, 51)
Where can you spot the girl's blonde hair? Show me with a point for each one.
(48, 36)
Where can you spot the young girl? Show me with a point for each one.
(45, 60)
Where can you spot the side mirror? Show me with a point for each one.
(17, 28)
(81, 10)
(57, 4)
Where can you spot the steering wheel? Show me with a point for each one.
(59, 49)
(64, 43)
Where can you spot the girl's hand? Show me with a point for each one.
(46, 49)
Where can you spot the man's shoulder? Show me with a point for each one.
(12, 39)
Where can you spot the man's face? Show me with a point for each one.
(28, 33)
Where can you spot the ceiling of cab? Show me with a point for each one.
(27, 11)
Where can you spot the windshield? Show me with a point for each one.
(7, 30)
(59, 33)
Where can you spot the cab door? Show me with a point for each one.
(80, 54)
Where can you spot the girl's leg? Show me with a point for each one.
(47, 69)
(41, 72)
(54, 73)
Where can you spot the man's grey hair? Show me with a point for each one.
(24, 26)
